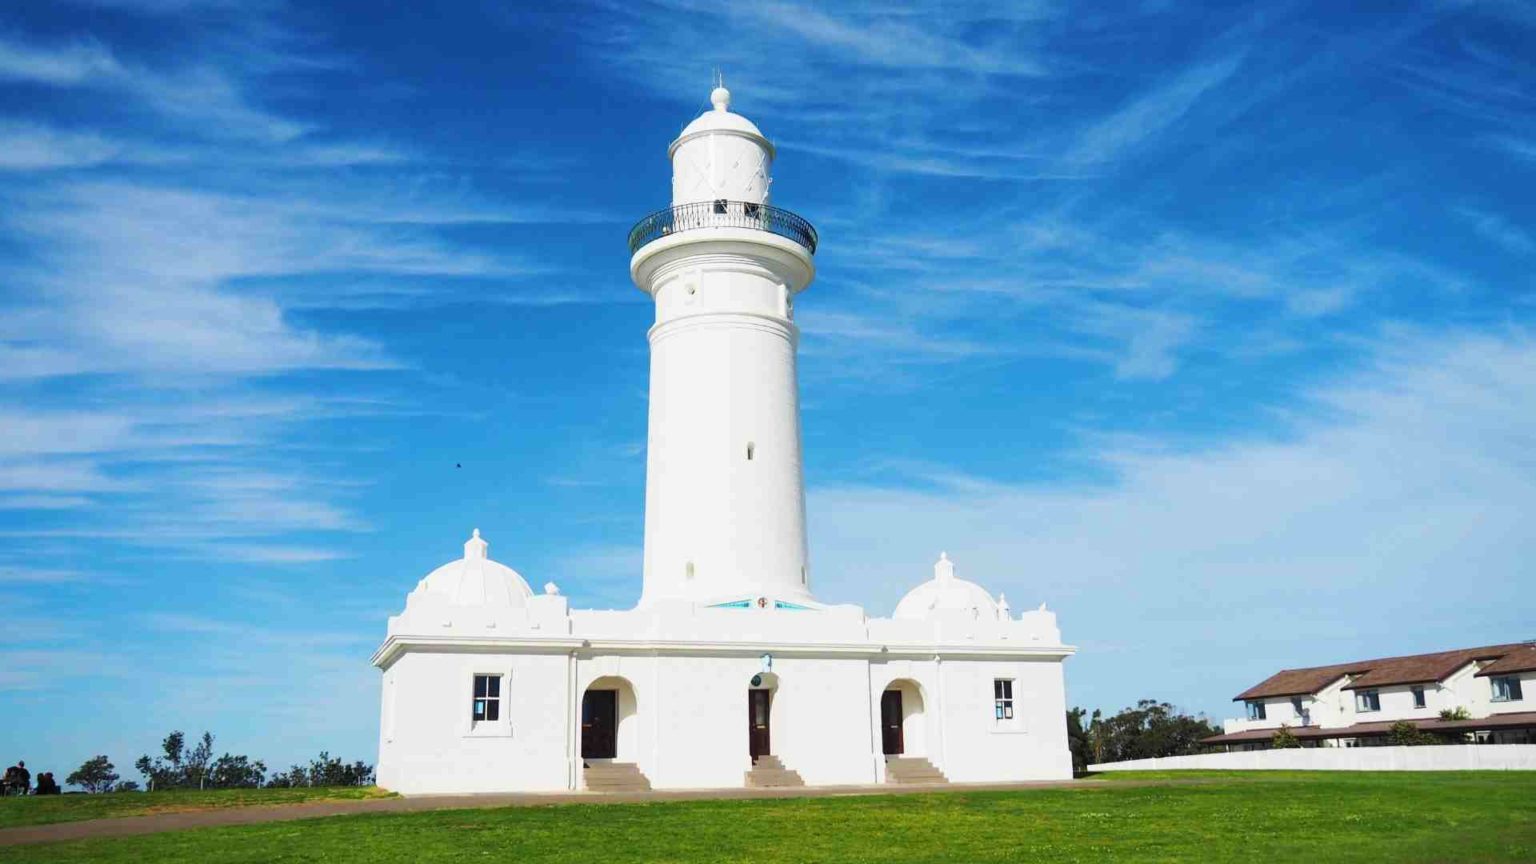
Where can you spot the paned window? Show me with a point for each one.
(1367, 700)
(1296, 706)
(1418, 697)
(1002, 698)
(1256, 711)
(487, 702)
(1506, 688)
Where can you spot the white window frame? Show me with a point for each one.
(1420, 696)
(1367, 701)
(1003, 712)
(501, 727)
(1007, 700)
(1257, 710)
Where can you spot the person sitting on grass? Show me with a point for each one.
(46, 785)
(23, 778)
(12, 780)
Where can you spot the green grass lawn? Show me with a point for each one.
(42, 809)
(1323, 817)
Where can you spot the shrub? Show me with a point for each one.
(1457, 713)
(1405, 734)
(1284, 739)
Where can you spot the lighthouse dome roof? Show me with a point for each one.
(947, 593)
(722, 119)
(476, 580)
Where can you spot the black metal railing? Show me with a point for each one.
(722, 214)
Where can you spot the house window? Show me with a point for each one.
(1418, 697)
(1002, 698)
(720, 205)
(1367, 700)
(1506, 688)
(487, 701)
(1256, 711)
(1296, 705)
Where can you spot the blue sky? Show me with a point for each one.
(1211, 327)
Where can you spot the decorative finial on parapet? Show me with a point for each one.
(1003, 609)
(476, 548)
(945, 568)
(551, 589)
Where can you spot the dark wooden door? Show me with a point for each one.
(599, 724)
(757, 723)
(891, 742)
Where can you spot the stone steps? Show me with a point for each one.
(912, 770)
(769, 772)
(613, 777)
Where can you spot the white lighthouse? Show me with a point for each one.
(488, 686)
(724, 496)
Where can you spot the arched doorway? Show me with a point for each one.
(608, 712)
(903, 731)
(760, 691)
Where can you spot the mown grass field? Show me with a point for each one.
(1331, 817)
(43, 809)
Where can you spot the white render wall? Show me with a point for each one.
(1450, 757)
(687, 727)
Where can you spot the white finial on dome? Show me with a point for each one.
(476, 548)
(945, 568)
(720, 98)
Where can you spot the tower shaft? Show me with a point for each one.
(725, 498)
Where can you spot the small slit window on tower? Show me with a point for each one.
(688, 570)
(751, 450)
(720, 205)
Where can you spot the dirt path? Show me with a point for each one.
(129, 825)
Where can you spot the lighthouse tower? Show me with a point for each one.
(724, 494)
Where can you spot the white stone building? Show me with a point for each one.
(1487, 695)
(729, 671)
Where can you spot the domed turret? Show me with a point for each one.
(946, 593)
(475, 580)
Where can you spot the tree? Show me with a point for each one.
(178, 766)
(1284, 739)
(324, 770)
(1079, 739)
(95, 775)
(197, 759)
(236, 772)
(1405, 734)
(1149, 730)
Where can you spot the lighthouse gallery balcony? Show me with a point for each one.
(722, 214)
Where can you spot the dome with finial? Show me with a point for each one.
(476, 580)
(946, 592)
(720, 119)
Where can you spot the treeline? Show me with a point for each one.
(1149, 730)
(181, 767)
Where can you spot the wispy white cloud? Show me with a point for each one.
(1152, 112)
(75, 63)
(1383, 487)
(30, 146)
(1498, 230)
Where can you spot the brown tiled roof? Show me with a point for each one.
(1519, 660)
(1299, 682)
(1516, 720)
(1413, 669)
